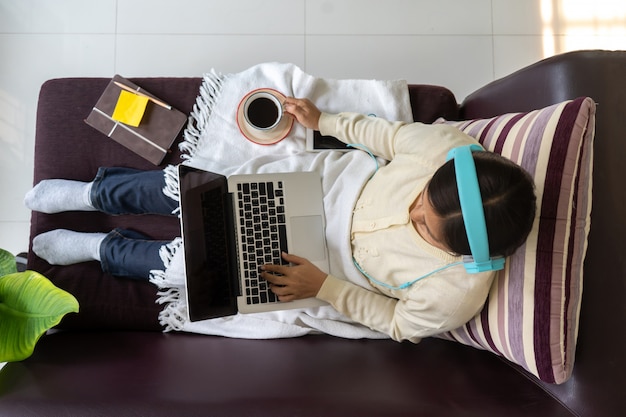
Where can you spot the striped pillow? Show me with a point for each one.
(531, 315)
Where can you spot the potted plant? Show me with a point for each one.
(29, 305)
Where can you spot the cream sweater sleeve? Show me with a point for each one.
(427, 310)
(387, 139)
(374, 310)
(375, 133)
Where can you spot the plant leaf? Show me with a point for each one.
(7, 263)
(29, 305)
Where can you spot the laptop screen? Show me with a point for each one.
(207, 228)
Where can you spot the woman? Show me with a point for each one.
(407, 235)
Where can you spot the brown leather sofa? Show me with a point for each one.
(112, 360)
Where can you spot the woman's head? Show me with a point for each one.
(509, 204)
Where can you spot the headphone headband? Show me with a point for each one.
(472, 211)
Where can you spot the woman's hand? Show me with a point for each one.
(304, 111)
(300, 280)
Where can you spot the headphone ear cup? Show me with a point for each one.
(473, 267)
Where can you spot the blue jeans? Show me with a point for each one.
(131, 191)
(116, 191)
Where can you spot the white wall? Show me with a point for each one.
(460, 44)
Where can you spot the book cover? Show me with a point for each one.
(152, 137)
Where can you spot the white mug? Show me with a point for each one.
(263, 111)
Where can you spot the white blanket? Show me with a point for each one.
(213, 142)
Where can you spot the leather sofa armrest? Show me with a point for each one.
(594, 388)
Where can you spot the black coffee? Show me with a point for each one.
(262, 112)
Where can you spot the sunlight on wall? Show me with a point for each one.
(582, 24)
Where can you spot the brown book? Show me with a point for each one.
(156, 132)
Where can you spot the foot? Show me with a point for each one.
(55, 196)
(66, 247)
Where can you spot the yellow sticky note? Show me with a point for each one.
(130, 108)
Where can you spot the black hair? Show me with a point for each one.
(509, 203)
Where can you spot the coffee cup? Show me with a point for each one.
(263, 111)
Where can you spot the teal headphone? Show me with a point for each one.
(473, 218)
(472, 210)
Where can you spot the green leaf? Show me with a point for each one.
(29, 305)
(7, 263)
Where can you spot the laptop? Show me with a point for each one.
(232, 226)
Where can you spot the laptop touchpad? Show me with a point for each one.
(308, 238)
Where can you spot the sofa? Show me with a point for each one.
(112, 358)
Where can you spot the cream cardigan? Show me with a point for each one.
(386, 245)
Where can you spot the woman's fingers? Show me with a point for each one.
(304, 111)
(300, 280)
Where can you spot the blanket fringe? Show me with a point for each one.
(171, 186)
(159, 277)
(167, 251)
(174, 315)
(210, 91)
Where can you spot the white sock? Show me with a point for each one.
(65, 247)
(55, 196)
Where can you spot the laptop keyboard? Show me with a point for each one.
(263, 235)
